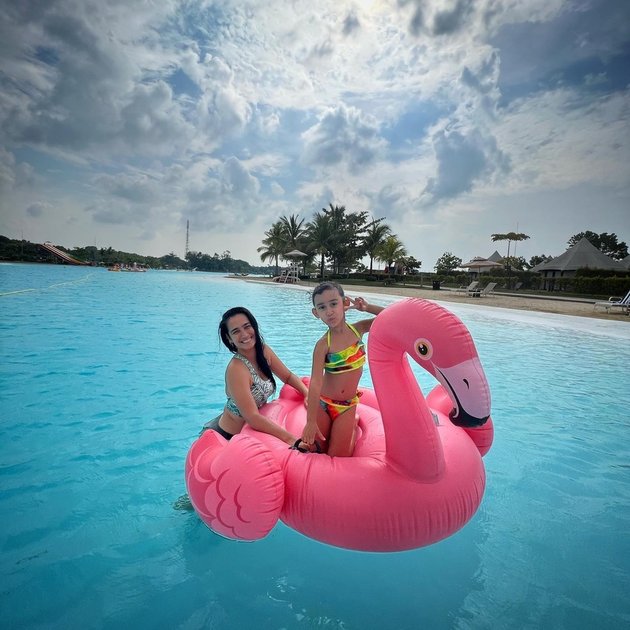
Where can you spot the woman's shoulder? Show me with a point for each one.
(236, 366)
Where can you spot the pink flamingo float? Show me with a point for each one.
(416, 475)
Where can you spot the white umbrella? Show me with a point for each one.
(296, 253)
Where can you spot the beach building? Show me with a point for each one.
(479, 265)
(582, 255)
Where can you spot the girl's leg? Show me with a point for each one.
(324, 423)
(343, 434)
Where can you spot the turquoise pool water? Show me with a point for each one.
(106, 379)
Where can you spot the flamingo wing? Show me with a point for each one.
(236, 487)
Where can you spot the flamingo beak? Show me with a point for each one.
(468, 388)
(462, 418)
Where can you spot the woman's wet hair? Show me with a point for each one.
(326, 286)
(224, 333)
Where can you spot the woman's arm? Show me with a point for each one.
(283, 372)
(239, 383)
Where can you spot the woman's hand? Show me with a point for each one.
(290, 440)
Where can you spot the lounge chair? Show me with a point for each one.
(487, 290)
(471, 288)
(614, 302)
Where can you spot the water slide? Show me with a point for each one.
(61, 254)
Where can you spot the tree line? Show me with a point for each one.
(334, 236)
(25, 251)
(608, 244)
(337, 239)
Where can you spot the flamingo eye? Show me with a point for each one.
(424, 349)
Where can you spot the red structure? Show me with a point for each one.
(63, 256)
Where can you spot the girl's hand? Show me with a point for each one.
(310, 433)
(359, 303)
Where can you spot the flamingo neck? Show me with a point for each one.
(413, 446)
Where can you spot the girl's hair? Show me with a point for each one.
(260, 342)
(325, 286)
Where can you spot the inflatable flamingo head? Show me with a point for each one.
(439, 342)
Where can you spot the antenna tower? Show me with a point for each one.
(186, 252)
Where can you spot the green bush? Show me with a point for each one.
(592, 285)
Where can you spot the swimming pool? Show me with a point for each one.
(106, 379)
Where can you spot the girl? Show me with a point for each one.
(338, 361)
(249, 378)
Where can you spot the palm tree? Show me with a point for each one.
(337, 240)
(374, 238)
(293, 233)
(509, 237)
(391, 251)
(346, 247)
(274, 244)
(320, 234)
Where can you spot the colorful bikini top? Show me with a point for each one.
(352, 358)
(261, 389)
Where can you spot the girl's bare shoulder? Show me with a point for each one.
(321, 345)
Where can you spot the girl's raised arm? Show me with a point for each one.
(360, 304)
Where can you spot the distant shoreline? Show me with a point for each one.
(521, 302)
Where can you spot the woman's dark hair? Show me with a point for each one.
(260, 342)
(325, 286)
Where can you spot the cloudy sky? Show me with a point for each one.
(454, 119)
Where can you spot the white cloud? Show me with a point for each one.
(463, 159)
(343, 136)
(153, 122)
(558, 140)
(37, 209)
(7, 170)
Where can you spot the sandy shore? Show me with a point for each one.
(519, 302)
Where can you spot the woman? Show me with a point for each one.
(249, 378)
(249, 382)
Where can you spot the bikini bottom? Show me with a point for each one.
(335, 408)
(213, 425)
